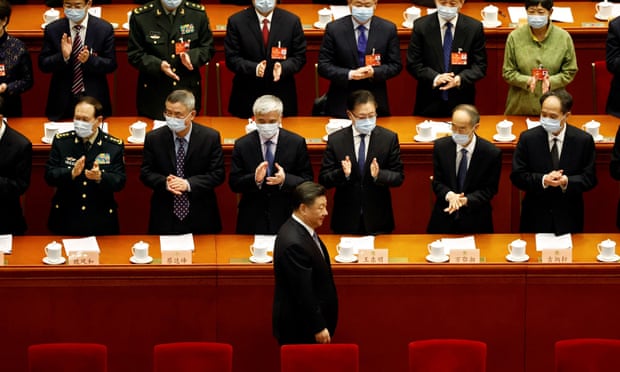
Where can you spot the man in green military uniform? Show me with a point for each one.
(169, 40)
(86, 167)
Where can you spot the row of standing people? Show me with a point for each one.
(265, 47)
(554, 164)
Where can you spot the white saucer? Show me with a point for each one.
(325, 137)
(46, 140)
(44, 24)
(601, 18)
(439, 259)
(266, 259)
(407, 24)
(498, 138)
(114, 24)
(598, 138)
(126, 26)
(49, 261)
(489, 24)
(132, 139)
(418, 138)
(319, 25)
(136, 260)
(512, 258)
(343, 259)
(613, 258)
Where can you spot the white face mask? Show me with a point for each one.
(83, 129)
(264, 6)
(551, 125)
(267, 130)
(175, 124)
(447, 13)
(171, 4)
(365, 126)
(361, 13)
(460, 139)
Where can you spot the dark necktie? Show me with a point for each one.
(318, 244)
(181, 202)
(269, 157)
(77, 85)
(361, 154)
(447, 50)
(86, 146)
(555, 156)
(462, 173)
(361, 45)
(265, 31)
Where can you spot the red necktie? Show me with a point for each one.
(265, 31)
(77, 85)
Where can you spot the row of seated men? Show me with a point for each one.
(554, 164)
(265, 47)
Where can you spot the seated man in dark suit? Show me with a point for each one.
(183, 163)
(554, 164)
(78, 51)
(466, 171)
(360, 51)
(266, 166)
(362, 162)
(15, 167)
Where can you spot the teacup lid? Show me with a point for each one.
(425, 124)
(518, 243)
(53, 244)
(413, 9)
(608, 243)
(592, 124)
(491, 7)
(345, 243)
(437, 244)
(505, 123)
(52, 11)
(325, 11)
(141, 244)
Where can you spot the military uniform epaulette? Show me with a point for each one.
(112, 139)
(195, 6)
(64, 135)
(144, 9)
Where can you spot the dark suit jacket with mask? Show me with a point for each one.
(204, 169)
(552, 210)
(244, 50)
(360, 192)
(305, 299)
(263, 209)
(425, 62)
(481, 184)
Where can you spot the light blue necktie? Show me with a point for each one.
(269, 157)
(362, 42)
(361, 154)
(447, 50)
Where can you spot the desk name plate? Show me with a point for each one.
(373, 256)
(464, 256)
(1, 258)
(176, 257)
(561, 256)
(84, 258)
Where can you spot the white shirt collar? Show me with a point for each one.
(83, 24)
(308, 228)
(470, 147)
(560, 135)
(261, 17)
(442, 22)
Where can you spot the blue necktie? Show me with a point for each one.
(181, 202)
(447, 50)
(318, 243)
(269, 157)
(462, 173)
(361, 154)
(361, 45)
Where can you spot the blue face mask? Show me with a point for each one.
(175, 124)
(267, 130)
(361, 13)
(171, 4)
(83, 129)
(365, 126)
(551, 125)
(447, 12)
(75, 15)
(264, 6)
(460, 139)
(537, 21)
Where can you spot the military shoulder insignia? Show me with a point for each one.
(195, 6)
(112, 139)
(61, 135)
(144, 9)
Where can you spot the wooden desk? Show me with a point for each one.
(518, 309)
(412, 202)
(589, 36)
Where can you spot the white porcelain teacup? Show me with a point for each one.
(504, 128)
(606, 248)
(325, 16)
(489, 13)
(425, 130)
(604, 9)
(53, 251)
(517, 248)
(345, 249)
(411, 14)
(51, 15)
(259, 250)
(50, 130)
(593, 127)
(138, 130)
(436, 249)
(140, 250)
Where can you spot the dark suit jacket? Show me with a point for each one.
(551, 210)
(100, 41)
(425, 62)
(244, 50)
(481, 183)
(613, 65)
(614, 169)
(15, 166)
(81, 206)
(204, 169)
(263, 210)
(305, 299)
(338, 55)
(361, 192)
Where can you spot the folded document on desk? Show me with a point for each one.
(176, 242)
(551, 241)
(363, 242)
(6, 244)
(467, 242)
(88, 244)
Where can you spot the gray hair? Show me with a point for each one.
(267, 103)
(185, 97)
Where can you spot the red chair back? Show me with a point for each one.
(601, 83)
(587, 355)
(224, 80)
(193, 357)
(319, 358)
(67, 357)
(447, 355)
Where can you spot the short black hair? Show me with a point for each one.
(471, 110)
(93, 102)
(547, 4)
(566, 100)
(359, 97)
(5, 10)
(306, 193)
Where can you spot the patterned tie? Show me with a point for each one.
(269, 157)
(77, 86)
(361, 45)
(462, 173)
(555, 157)
(447, 50)
(181, 202)
(265, 31)
(318, 244)
(361, 154)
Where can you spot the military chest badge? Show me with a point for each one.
(103, 158)
(187, 28)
